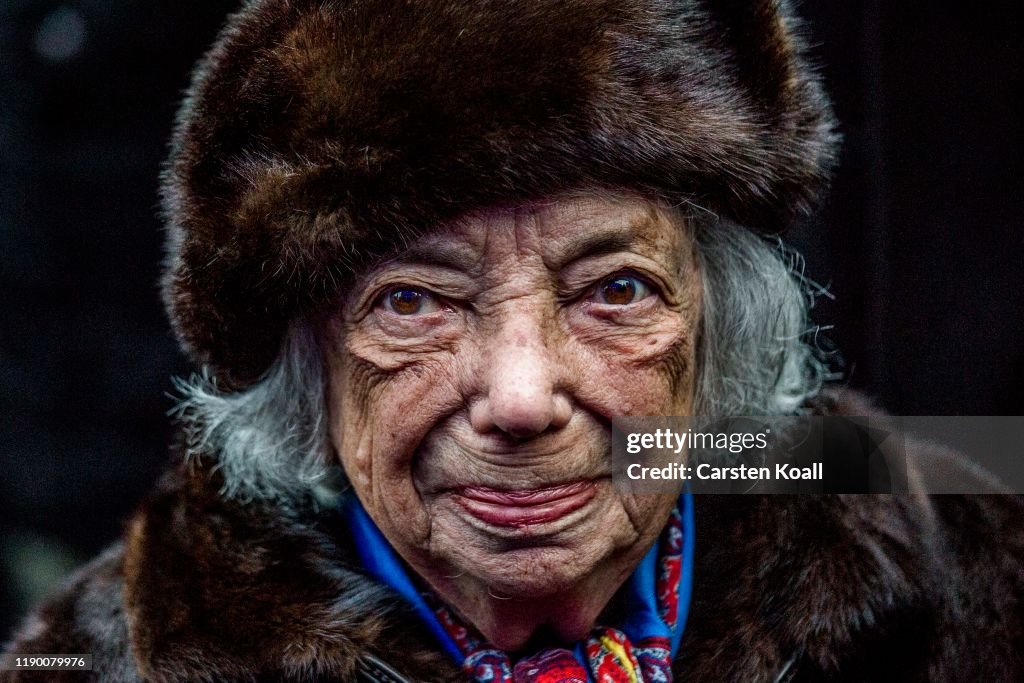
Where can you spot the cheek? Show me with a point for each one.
(380, 413)
(392, 393)
(384, 415)
(648, 510)
(643, 370)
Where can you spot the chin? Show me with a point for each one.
(537, 572)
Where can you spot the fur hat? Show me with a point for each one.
(318, 134)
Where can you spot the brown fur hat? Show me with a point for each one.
(319, 133)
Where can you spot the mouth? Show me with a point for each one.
(524, 507)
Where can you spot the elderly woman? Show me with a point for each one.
(425, 252)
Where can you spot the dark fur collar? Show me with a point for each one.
(216, 590)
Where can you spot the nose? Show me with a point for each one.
(521, 393)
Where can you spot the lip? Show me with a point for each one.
(524, 507)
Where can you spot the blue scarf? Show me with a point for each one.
(645, 622)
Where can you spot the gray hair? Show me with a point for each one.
(753, 357)
(270, 440)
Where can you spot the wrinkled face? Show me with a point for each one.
(474, 377)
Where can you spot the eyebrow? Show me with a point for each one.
(585, 245)
(443, 254)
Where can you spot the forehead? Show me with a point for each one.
(559, 231)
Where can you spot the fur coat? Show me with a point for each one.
(786, 588)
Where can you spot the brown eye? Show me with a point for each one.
(622, 290)
(410, 301)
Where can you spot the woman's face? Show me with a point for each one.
(473, 381)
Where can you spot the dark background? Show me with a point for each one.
(920, 243)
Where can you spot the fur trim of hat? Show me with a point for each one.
(318, 134)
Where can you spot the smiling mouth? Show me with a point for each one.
(520, 508)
